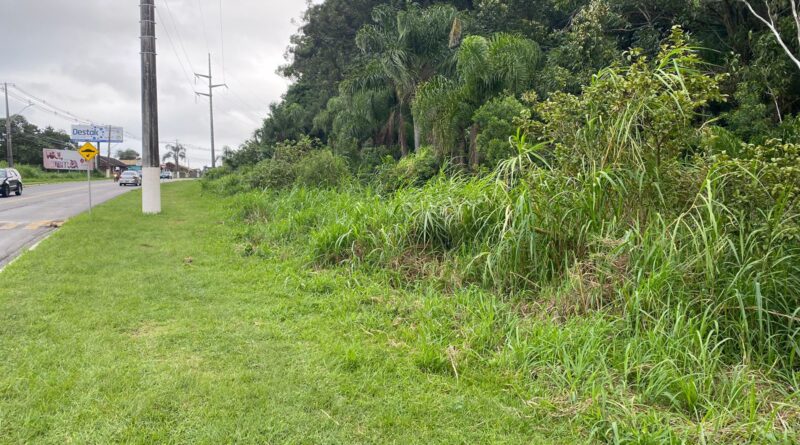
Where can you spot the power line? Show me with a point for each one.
(178, 35)
(67, 115)
(175, 51)
(203, 23)
(222, 40)
(55, 109)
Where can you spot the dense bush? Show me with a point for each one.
(372, 158)
(623, 208)
(761, 178)
(637, 224)
(322, 169)
(216, 173)
(638, 116)
(412, 170)
(273, 173)
(496, 120)
(230, 184)
(302, 163)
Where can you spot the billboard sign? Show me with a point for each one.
(96, 133)
(63, 160)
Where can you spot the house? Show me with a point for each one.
(104, 162)
(135, 165)
(186, 172)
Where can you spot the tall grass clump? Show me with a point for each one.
(643, 260)
(618, 209)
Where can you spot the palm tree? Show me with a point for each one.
(485, 68)
(403, 49)
(176, 153)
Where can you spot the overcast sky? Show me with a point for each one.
(83, 57)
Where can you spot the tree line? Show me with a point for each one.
(454, 75)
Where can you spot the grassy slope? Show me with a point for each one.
(158, 331)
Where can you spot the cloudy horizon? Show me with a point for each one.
(86, 61)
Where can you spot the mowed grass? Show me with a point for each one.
(124, 328)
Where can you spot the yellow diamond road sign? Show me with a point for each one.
(88, 151)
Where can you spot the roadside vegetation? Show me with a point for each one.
(32, 175)
(601, 209)
(176, 337)
(466, 222)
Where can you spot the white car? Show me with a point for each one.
(130, 178)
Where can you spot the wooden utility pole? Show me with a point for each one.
(9, 151)
(210, 96)
(151, 162)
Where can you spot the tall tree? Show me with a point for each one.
(29, 140)
(773, 12)
(486, 68)
(127, 155)
(175, 152)
(403, 49)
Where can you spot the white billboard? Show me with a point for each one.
(63, 160)
(96, 133)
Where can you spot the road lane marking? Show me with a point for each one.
(43, 197)
(36, 225)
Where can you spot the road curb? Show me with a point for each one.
(31, 245)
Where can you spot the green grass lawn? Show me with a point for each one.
(153, 329)
(177, 328)
(57, 178)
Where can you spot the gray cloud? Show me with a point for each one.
(84, 57)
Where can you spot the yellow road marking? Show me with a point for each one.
(38, 225)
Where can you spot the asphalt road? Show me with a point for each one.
(26, 219)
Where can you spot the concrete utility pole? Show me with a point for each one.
(210, 96)
(151, 162)
(177, 155)
(9, 151)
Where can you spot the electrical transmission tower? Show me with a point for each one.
(210, 96)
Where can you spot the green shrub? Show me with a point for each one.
(217, 173)
(496, 121)
(293, 151)
(640, 116)
(231, 184)
(761, 177)
(717, 140)
(371, 159)
(29, 172)
(322, 169)
(275, 173)
(413, 170)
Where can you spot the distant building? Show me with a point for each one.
(186, 172)
(103, 163)
(134, 165)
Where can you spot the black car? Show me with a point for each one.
(10, 181)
